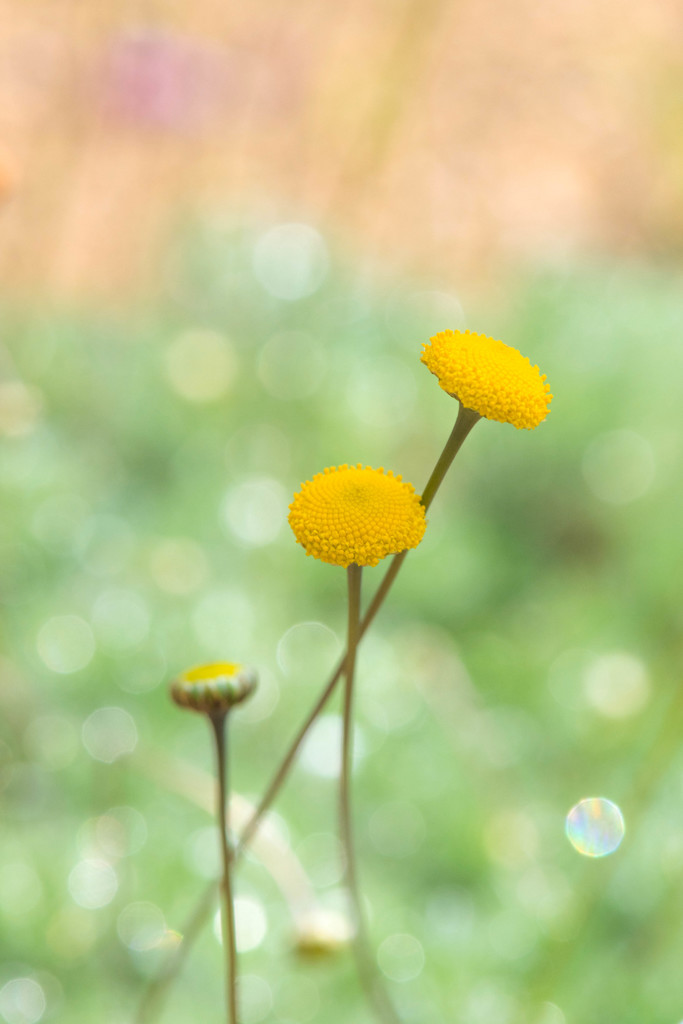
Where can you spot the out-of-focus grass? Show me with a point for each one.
(529, 655)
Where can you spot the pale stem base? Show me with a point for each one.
(364, 956)
(218, 725)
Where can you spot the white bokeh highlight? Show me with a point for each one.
(290, 261)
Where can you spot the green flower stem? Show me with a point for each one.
(365, 960)
(465, 420)
(218, 724)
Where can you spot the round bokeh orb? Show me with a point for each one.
(595, 827)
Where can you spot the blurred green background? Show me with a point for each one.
(225, 233)
(529, 655)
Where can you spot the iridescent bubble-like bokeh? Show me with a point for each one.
(595, 827)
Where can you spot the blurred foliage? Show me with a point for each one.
(448, 139)
(529, 655)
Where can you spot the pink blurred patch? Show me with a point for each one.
(155, 79)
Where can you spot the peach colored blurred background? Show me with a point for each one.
(446, 138)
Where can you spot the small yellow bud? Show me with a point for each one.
(214, 688)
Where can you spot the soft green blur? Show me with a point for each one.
(529, 654)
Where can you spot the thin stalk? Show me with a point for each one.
(361, 945)
(218, 724)
(465, 420)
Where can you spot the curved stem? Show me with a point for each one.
(365, 961)
(465, 420)
(282, 772)
(218, 724)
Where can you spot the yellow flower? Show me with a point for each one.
(214, 687)
(350, 514)
(492, 379)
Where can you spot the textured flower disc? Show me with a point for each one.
(489, 377)
(350, 514)
(214, 687)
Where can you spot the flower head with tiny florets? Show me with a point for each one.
(354, 514)
(489, 377)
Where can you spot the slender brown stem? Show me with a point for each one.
(465, 420)
(218, 724)
(283, 770)
(365, 960)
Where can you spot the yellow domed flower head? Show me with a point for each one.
(489, 377)
(213, 688)
(354, 514)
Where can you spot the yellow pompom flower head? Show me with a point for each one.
(213, 688)
(351, 514)
(490, 378)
